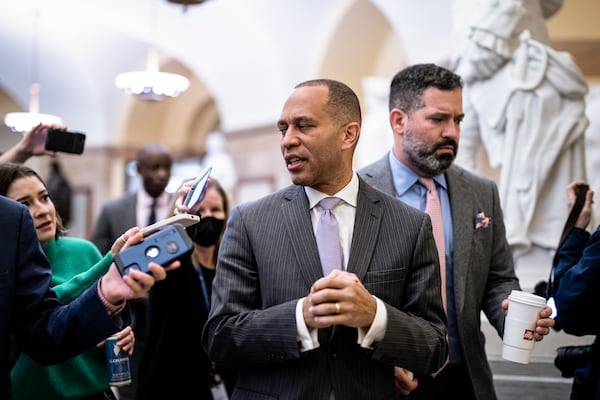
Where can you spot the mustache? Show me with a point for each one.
(446, 142)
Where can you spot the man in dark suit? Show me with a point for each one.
(294, 333)
(148, 204)
(30, 311)
(425, 115)
(153, 164)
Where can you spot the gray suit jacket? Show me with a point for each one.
(116, 217)
(269, 259)
(483, 265)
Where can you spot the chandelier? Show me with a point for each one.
(23, 122)
(152, 84)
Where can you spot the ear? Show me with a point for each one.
(351, 134)
(398, 121)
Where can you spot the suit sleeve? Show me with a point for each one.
(45, 330)
(102, 236)
(255, 334)
(501, 277)
(578, 276)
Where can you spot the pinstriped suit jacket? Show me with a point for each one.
(483, 265)
(269, 259)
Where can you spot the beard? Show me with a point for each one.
(424, 158)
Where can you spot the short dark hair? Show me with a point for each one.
(408, 85)
(342, 104)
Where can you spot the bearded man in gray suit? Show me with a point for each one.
(294, 333)
(425, 115)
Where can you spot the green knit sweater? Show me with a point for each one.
(76, 264)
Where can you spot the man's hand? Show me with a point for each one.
(405, 381)
(542, 325)
(339, 299)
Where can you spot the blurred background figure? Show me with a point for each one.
(60, 191)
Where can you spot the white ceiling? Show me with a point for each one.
(248, 53)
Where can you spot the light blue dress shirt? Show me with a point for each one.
(408, 190)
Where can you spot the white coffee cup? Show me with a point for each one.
(519, 325)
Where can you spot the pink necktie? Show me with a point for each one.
(328, 236)
(433, 208)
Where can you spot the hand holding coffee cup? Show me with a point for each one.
(520, 325)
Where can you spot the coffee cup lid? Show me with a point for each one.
(527, 298)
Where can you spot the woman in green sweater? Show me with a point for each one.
(76, 264)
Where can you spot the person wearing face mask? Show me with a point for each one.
(173, 364)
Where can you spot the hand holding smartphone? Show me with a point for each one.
(163, 247)
(184, 219)
(198, 189)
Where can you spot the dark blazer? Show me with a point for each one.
(45, 330)
(577, 279)
(483, 265)
(115, 218)
(269, 259)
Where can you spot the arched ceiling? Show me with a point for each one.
(244, 56)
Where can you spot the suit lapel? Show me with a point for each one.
(299, 229)
(366, 228)
(462, 210)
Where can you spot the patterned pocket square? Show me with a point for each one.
(481, 221)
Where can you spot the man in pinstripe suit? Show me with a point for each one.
(293, 333)
(425, 115)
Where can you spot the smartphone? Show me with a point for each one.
(198, 189)
(162, 247)
(183, 219)
(65, 141)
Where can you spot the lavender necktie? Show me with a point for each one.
(328, 237)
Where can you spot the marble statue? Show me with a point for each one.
(525, 103)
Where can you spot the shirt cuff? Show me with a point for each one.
(377, 330)
(110, 308)
(308, 340)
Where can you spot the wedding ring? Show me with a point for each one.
(337, 307)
